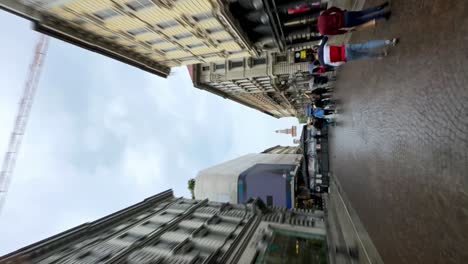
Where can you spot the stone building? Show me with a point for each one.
(153, 35)
(283, 150)
(165, 229)
(272, 83)
(238, 180)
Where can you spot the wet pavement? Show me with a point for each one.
(401, 149)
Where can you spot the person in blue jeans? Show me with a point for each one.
(356, 18)
(334, 56)
(367, 50)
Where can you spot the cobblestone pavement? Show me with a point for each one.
(400, 151)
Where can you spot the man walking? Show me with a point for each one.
(335, 21)
(337, 55)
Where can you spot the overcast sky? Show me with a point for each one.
(104, 135)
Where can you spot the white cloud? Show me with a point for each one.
(144, 166)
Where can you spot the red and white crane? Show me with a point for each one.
(24, 108)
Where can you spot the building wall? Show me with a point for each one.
(220, 182)
(165, 229)
(256, 80)
(278, 190)
(283, 150)
(171, 33)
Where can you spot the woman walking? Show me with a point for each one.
(335, 56)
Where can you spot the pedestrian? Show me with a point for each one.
(322, 113)
(321, 92)
(335, 21)
(320, 123)
(338, 55)
(318, 80)
(314, 67)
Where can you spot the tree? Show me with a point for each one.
(191, 187)
(302, 119)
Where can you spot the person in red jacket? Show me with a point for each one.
(334, 56)
(335, 21)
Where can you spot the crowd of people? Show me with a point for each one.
(326, 57)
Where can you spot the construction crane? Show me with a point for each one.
(24, 108)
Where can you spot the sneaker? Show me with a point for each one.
(387, 15)
(395, 41)
(383, 55)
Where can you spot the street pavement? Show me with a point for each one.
(400, 150)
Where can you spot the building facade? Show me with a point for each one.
(272, 83)
(283, 150)
(153, 35)
(165, 229)
(238, 180)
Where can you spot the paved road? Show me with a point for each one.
(401, 151)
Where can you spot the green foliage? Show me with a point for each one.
(191, 187)
(302, 119)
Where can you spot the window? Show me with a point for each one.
(236, 64)
(183, 35)
(130, 237)
(207, 56)
(236, 52)
(187, 59)
(202, 16)
(269, 200)
(258, 61)
(219, 66)
(152, 225)
(106, 13)
(205, 68)
(137, 5)
(224, 40)
(281, 58)
(79, 21)
(169, 50)
(297, 248)
(214, 30)
(196, 45)
(137, 31)
(168, 24)
(155, 41)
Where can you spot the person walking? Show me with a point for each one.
(338, 55)
(320, 113)
(335, 21)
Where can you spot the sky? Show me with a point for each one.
(103, 135)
